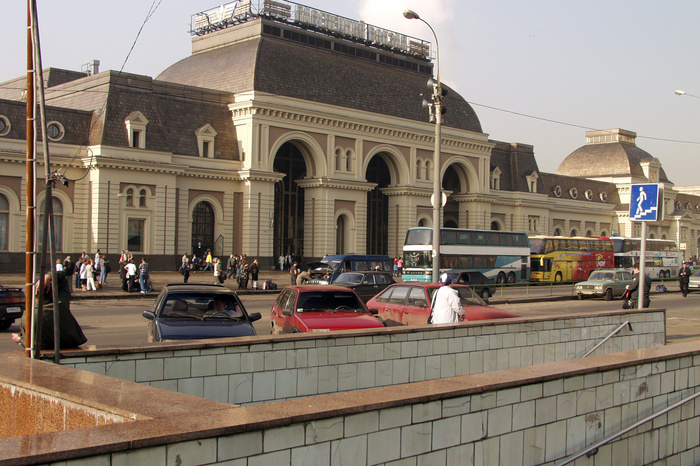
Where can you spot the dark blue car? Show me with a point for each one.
(194, 311)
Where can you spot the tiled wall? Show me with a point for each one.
(264, 369)
(527, 416)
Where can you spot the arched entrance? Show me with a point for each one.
(341, 235)
(495, 225)
(202, 228)
(289, 202)
(378, 207)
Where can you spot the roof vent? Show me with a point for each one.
(93, 67)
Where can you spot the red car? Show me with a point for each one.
(320, 308)
(409, 304)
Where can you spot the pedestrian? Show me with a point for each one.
(230, 266)
(294, 271)
(131, 275)
(71, 335)
(634, 289)
(245, 272)
(69, 269)
(123, 275)
(59, 265)
(446, 307)
(143, 275)
(254, 271)
(400, 264)
(77, 274)
(304, 277)
(90, 276)
(83, 274)
(684, 279)
(281, 261)
(208, 261)
(185, 269)
(104, 269)
(219, 274)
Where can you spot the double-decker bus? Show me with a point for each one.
(663, 257)
(560, 258)
(501, 255)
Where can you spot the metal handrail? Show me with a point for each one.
(593, 449)
(609, 337)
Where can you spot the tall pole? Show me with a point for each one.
(31, 208)
(436, 113)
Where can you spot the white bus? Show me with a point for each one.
(663, 260)
(501, 255)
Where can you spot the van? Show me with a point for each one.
(337, 264)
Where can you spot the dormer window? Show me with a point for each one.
(573, 192)
(55, 131)
(205, 141)
(136, 129)
(532, 182)
(496, 178)
(4, 125)
(557, 191)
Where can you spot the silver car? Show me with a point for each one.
(607, 283)
(694, 282)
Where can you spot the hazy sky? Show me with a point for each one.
(538, 72)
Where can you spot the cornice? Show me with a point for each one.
(325, 182)
(383, 131)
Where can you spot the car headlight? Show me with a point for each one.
(598, 287)
(578, 288)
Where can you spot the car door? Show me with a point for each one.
(367, 287)
(392, 303)
(416, 309)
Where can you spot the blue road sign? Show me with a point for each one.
(644, 202)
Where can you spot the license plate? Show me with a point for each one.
(13, 309)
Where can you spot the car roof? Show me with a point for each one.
(310, 288)
(197, 287)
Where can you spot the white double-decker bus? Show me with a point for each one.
(663, 259)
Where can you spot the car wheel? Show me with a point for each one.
(485, 293)
(5, 324)
(501, 278)
(558, 277)
(511, 277)
(608, 294)
(580, 296)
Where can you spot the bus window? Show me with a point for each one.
(479, 237)
(448, 237)
(464, 237)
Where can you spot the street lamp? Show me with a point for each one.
(679, 92)
(436, 110)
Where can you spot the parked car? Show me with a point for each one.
(365, 284)
(607, 283)
(327, 270)
(320, 308)
(694, 282)
(409, 304)
(11, 306)
(483, 286)
(193, 311)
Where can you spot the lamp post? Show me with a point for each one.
(436, 111)
(679, 92)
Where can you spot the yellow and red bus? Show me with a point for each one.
(563, 259)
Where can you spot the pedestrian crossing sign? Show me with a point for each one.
(644, 202)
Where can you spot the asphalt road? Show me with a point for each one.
(119, 323)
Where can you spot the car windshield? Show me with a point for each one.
(329, 301)
(349, 278)
(201, 306)
(600, 275)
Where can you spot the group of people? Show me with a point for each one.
(398, 266)
(237, 266)
(87, 273)
(130, 275)
(287, 261)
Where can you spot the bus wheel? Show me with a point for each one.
(501, 278)
(511, 277)
(608, 294)
(558, 277)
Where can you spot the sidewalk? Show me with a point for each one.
(112, 288)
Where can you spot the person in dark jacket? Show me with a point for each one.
(70, 332)
(245, 272)
(684, 278)
(254, 271)
(69, 270)
(634, 289)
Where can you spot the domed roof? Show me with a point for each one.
(281, 66)
(619, 157)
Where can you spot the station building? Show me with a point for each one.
(291, 130)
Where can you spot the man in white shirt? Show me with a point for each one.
(130, 274)
(447, 308)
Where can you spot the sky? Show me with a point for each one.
(538, 72)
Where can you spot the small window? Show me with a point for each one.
(604, 196)
(4, 125)
(55, 131)
(589, 194)
(130, 197)
(142, 198)
(573, 192)
(689, 206)
(557, 191)
(678, 205)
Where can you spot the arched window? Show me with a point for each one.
(340, 235)
(58, 224)
(338, 159)
(557, 232)
(573, 233)
(4, 223)
(428, 170)
(202, 228)
(495, 225)
(129, 197)
(142, 198)
(348, 160)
